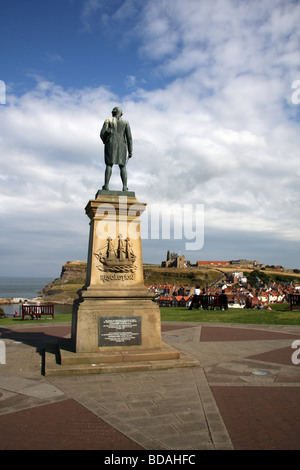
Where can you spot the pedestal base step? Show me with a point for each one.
(61, 361)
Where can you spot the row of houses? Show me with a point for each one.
(243, 296)
(170, 295)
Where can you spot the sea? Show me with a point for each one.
(25, 288)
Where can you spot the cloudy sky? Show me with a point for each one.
(212, 94)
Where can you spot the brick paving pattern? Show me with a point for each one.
(261, 418)
(64, 425)
(218, 405)
(239, 334)
(279, 356)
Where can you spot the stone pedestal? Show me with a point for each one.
(116, 324)
(114, 309)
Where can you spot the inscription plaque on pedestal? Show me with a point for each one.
(120, 331)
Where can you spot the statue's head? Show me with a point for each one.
(117, 112)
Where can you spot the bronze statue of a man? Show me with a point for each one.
(117, 139)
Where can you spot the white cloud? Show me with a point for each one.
(130, 81)
(53, 57)
(221, 131)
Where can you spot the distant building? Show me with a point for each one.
(238, 262)
(245, 263)
(174, 261)
(236, 277)
(213, 263)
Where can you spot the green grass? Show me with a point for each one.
(17, 321)
(280, 315)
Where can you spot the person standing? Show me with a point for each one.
(196, 298)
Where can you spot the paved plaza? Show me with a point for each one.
(244, 395)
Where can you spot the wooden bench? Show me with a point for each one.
(37, 311)
(295, 302)
(210, 302)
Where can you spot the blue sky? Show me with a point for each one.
(211, 91)
(60, 40)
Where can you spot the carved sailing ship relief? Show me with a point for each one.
(117, 259)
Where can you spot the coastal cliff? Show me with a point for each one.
(63, 290)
